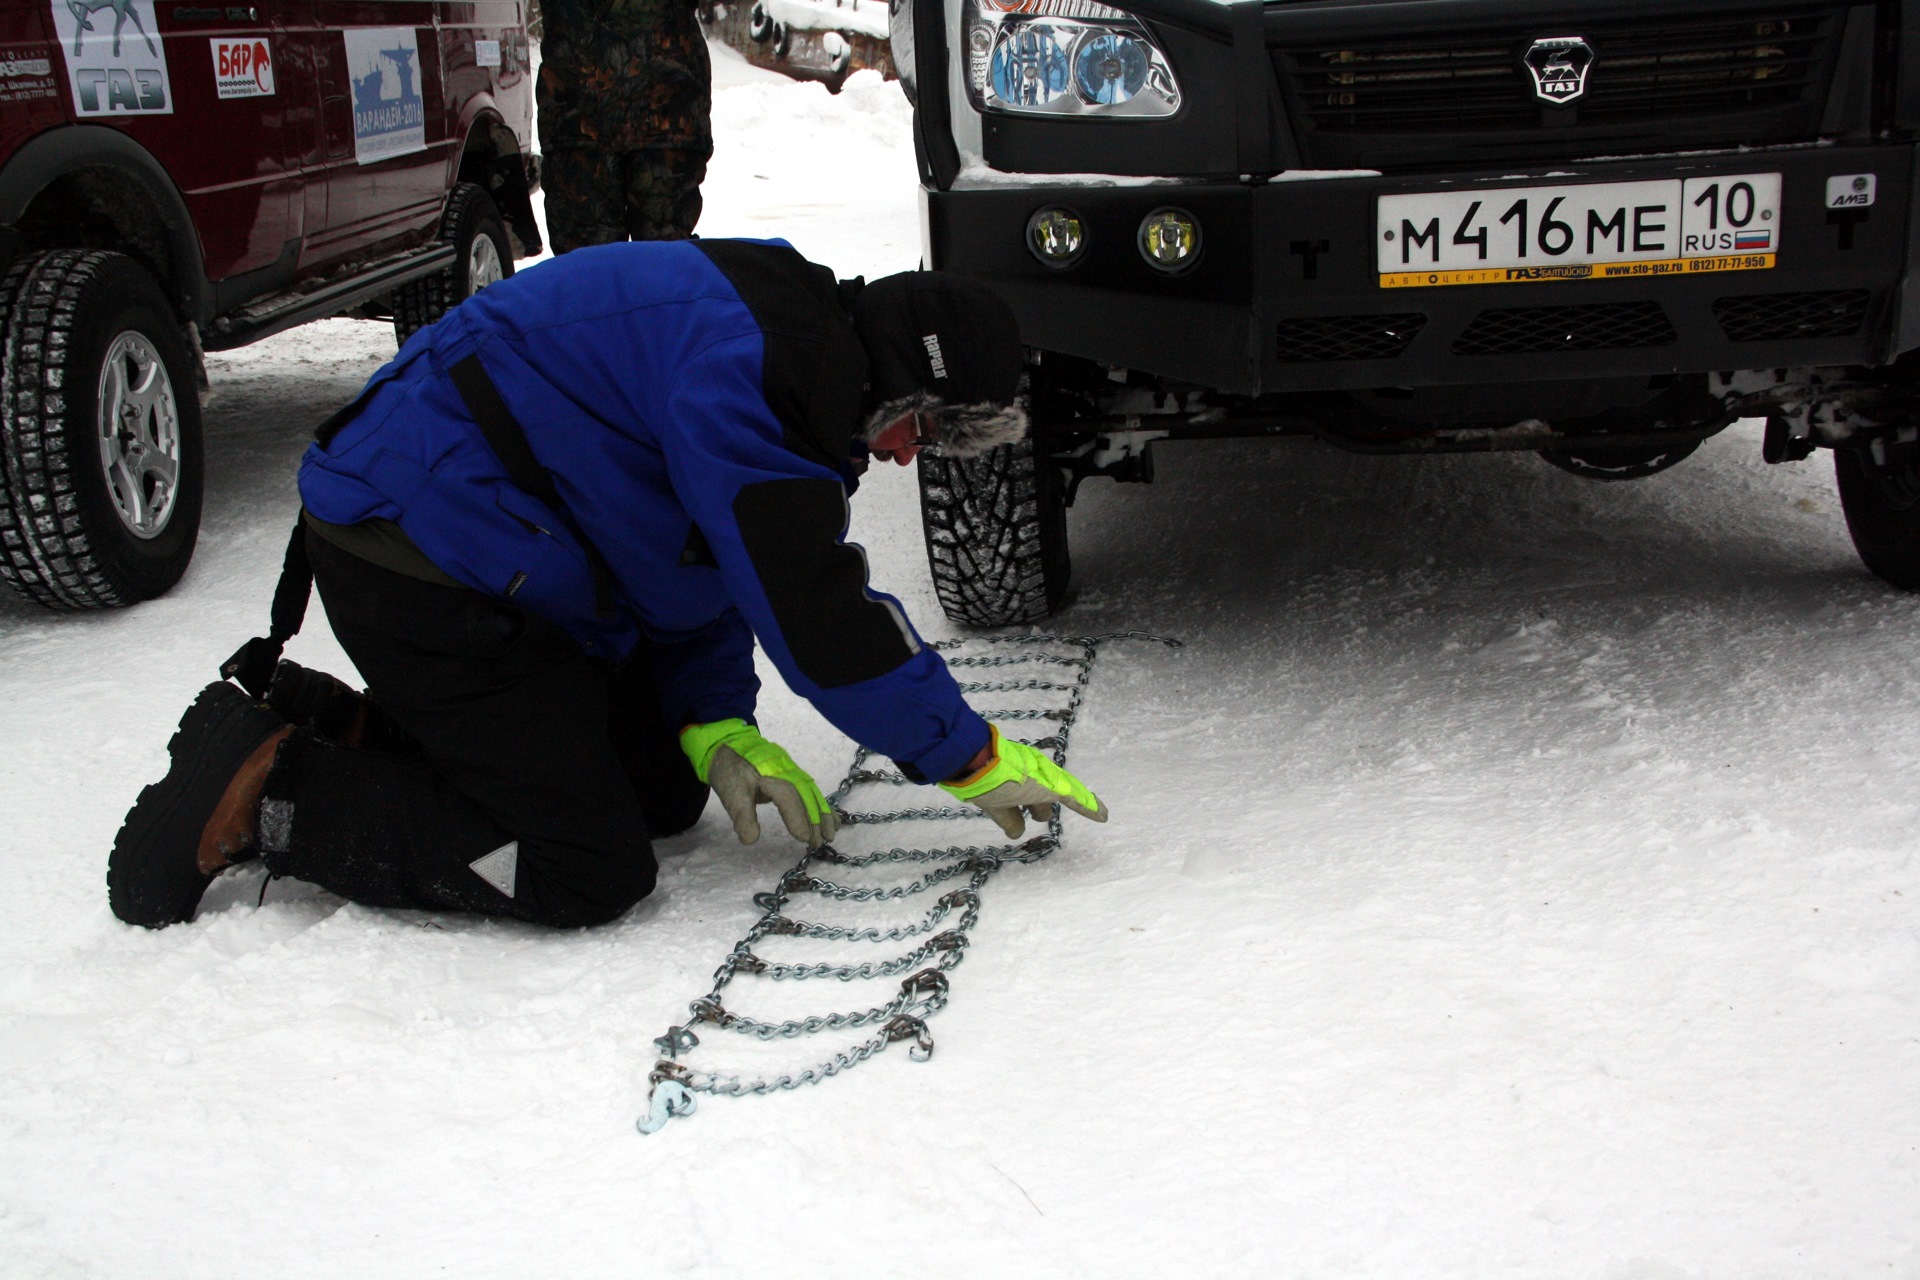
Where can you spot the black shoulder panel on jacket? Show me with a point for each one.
(815, 373)
(837, 632)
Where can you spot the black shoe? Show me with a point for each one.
(153, 875)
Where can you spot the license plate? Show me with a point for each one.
(1593, 231)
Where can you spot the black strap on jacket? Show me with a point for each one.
(508, 440)
(252, 664)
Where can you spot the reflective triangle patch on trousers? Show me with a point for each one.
(500, 868)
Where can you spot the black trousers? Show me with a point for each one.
(543, 766)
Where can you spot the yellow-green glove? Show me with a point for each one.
(746, 771)
(1020, 779)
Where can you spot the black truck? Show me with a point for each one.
(1601, 230)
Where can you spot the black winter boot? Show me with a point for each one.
(153, 875)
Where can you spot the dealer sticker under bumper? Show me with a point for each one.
(1589, 271)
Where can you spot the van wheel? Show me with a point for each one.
(1882, 506)
(996, 529)
(100, 462)
(472, 225)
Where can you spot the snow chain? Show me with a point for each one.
(1036, 668)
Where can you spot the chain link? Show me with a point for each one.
(926, 989)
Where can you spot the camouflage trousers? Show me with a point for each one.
(597, 196)
(625, 98)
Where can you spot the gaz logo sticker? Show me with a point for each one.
(116, 65)
(242, 68)
(383, 69)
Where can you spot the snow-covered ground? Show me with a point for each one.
(1513, 876)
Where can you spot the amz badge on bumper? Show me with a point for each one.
(1594, 231)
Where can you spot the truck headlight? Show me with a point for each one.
(1109, 68)
(1029, 66)
(1065, 57)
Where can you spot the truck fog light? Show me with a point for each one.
(1057, 236)
(1170, 240)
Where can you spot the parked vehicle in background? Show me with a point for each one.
(1602, 230)
(183, 177)
(824, 40)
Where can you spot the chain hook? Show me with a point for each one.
(667, 1099)
(906, 1027)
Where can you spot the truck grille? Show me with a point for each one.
(1511, 331)
(1770, 317)
(1313, 338)
(1757, 77)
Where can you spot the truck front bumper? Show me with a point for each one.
(1286, 296)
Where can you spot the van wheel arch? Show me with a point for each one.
(90, 187)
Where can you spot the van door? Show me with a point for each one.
(195, 84)
(383, 124)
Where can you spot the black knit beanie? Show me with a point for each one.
(930, 333)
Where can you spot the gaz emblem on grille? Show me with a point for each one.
(1559, 67)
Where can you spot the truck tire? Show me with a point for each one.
(483, 254)
(1882, 507)
(996, 529)
(100, 461)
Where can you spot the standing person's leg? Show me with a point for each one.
(585, 197)
(663, 191)
(667, 129)
(580, 165)
(517, 803)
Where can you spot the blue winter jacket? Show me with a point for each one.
(694, 403)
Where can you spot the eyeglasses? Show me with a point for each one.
(925, 430)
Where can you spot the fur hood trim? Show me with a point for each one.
(966, 430)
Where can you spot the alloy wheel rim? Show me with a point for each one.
(483, 264)
(139, 435)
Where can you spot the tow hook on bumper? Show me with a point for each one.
(1125, 456)
(1806, 409)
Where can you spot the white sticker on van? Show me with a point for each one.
(116, 64)
(242, 68)
(26, 77)
(383, 71)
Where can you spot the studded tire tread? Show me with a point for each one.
(61, 545)
(470, 213)
(996, 535)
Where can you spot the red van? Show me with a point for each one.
(178, 177)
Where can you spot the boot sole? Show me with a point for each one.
(153, 873)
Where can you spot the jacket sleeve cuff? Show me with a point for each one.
(952, 755)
